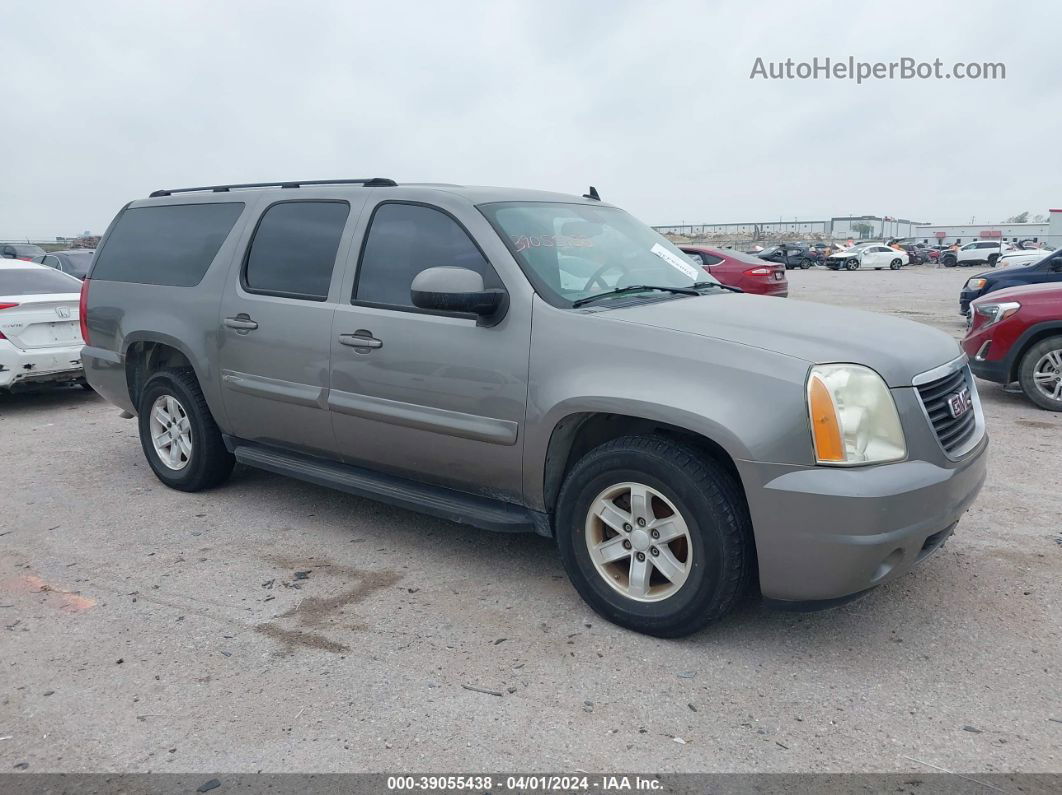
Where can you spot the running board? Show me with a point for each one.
(437, 501)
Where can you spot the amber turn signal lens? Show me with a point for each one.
(825, 429)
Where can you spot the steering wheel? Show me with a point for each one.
(597, 276)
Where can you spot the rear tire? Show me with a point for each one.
(711, 561)
(172, 407)
(992, 260)
(1040, 373)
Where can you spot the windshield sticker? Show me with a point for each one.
(524, 242)
(676, 262)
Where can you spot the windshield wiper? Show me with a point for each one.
(720, 285)
(633, 289)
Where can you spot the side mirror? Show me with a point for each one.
(448, 289)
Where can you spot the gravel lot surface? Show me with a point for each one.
(142, 629)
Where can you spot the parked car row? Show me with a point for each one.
(1043, 268)
(747, 272)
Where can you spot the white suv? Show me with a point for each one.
(980, 252)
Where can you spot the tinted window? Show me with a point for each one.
(710, 259)
(31, 281)
(294, 249)
(403, 240)
(172, 245)
(77, 263)
(21, 251)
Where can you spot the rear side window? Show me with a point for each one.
(172, 245)
(78, 264)
(294, 249)
(31, 281)
(403, 240)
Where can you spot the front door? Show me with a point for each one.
(427, 395)
(276, 326)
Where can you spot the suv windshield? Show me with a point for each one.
(573, 251)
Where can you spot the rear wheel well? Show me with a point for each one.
(144, 359)
(578, 434)
(1037, 336)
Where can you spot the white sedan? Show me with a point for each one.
(1023, 256)
(868, 256)
(40, 333)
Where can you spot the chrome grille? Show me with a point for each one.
(952, 432)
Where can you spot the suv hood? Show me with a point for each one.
(817, 333)
(1003, 273)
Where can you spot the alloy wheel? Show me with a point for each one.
(171, 432)
(638, 542)
(1047, 374)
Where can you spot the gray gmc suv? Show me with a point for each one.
(528, 361)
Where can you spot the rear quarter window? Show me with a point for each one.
(34, 281)
(172, 245)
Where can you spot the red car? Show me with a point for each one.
(738, 269)
(1016, 335)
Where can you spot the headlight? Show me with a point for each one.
(993, 313)
(976, 284)
(853, 416)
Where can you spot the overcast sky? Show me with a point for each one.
(651, 102)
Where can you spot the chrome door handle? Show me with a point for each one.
(360, 339)
(241, 323)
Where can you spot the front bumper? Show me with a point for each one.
(825, 534)
(22, 367)
(965, 297)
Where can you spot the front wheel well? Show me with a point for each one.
(144, 359)
(1037, 336)
(578, 434)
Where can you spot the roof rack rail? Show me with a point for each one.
(371, 182)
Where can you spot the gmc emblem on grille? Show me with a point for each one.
(960, 402)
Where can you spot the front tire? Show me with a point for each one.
(655, 537)
(895, 265)
(852, 264)
(181, 441)
(1040, 373)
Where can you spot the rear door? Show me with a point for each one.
(39, 308)
(276, 324)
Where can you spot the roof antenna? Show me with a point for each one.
(592, 194)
